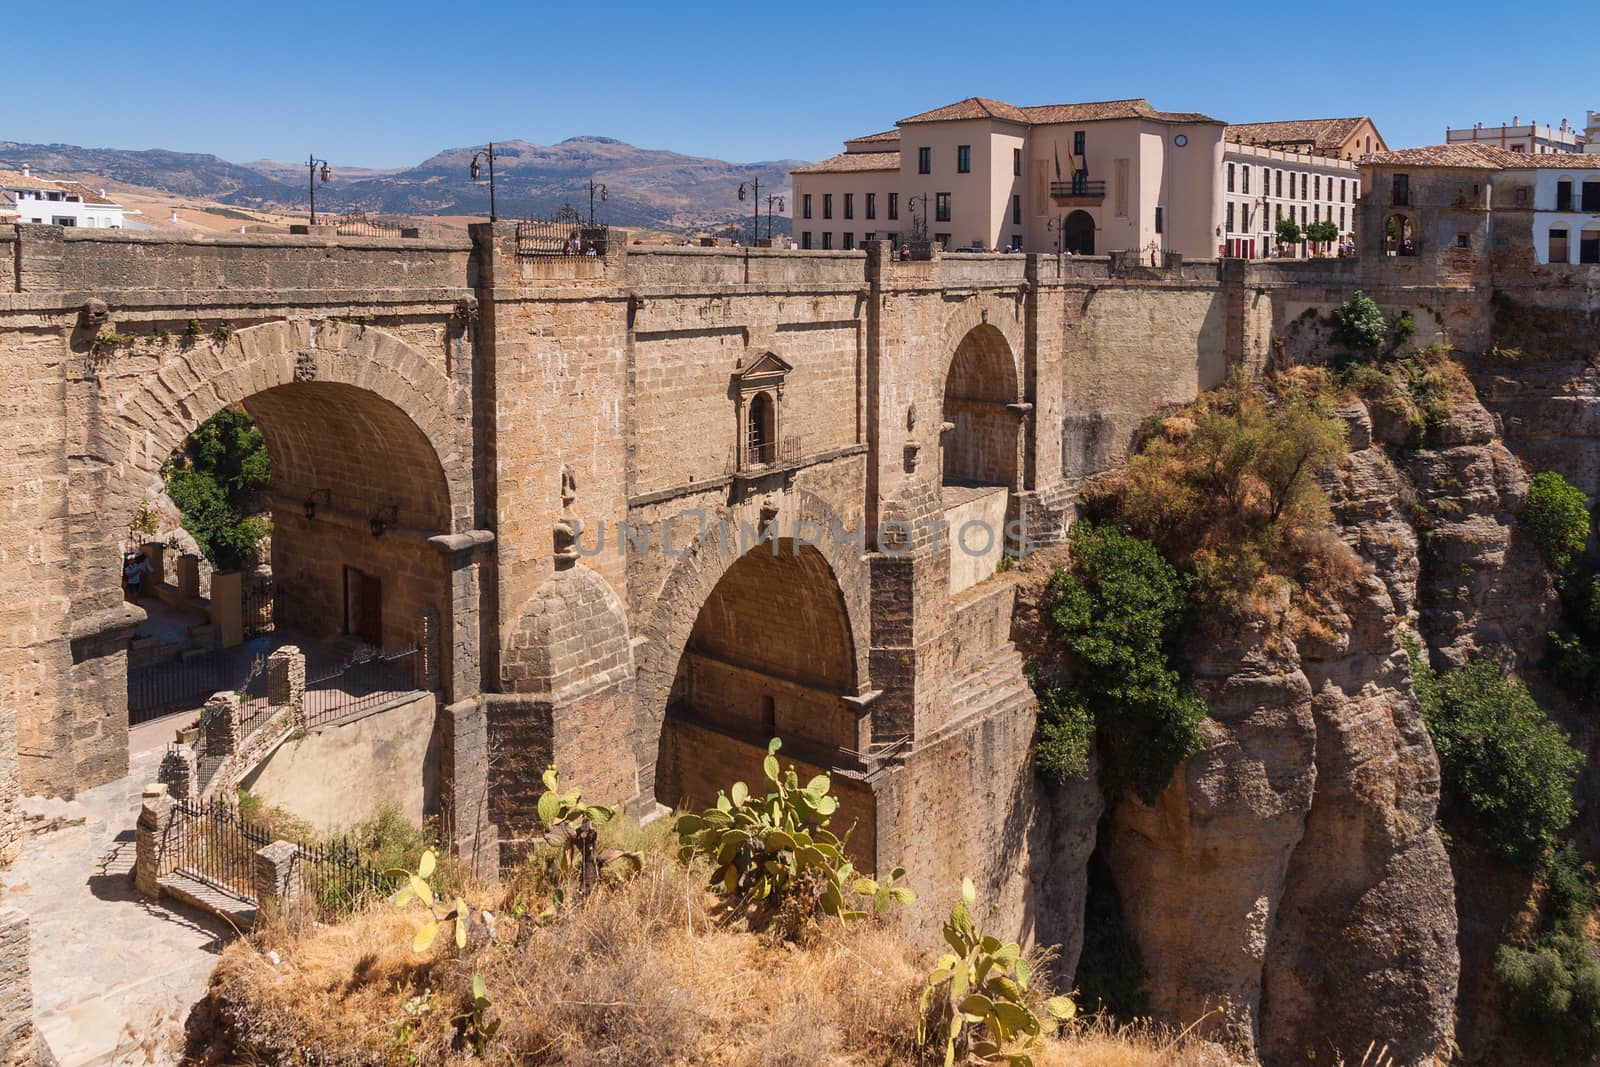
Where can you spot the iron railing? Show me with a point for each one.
(259, 606)
(179, 685)
(362, 684)
(357, 223)
(1070, 190)
(566, 234)
(336, 875)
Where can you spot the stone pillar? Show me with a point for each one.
(177, 772)
(220, 724)
(17, 1038)
(10, 788)
(286, 680)
(278, 878)
(460, 667)
(156, 553)
(151, 834)
(428, 674)
(227, 607)
(188, 576)
(464, 786)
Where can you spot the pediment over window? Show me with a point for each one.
(766, 371)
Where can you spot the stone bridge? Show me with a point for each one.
(650, 508)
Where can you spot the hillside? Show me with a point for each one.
(652, 188)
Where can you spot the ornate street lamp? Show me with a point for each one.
(595, 187)
(770, 201)
(474, 170)
(312, 163)
(752, 190)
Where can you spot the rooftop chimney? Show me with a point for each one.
(1516, 120)
(25, 170)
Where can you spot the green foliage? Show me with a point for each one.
(1570, 892)
(977, 1000)
(1508, 770)
(1403, 330)
(222, 332)
(1111, 974)
(570, 825)
(418, 886)
(107, 340)
(193, 328)
(1066, 733)
(145, 520)
(1358, 324)
(214, 481)
(1556, 516)
(1324, 231)
(1289, 232)
(1419, 389)
(1119, 612)
(775, 856)
(1552, 991)
(1231, 487)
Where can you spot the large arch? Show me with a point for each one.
(1077, 234)
(981, 389)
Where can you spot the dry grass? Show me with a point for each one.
(641, 973)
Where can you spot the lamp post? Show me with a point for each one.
(595, 187)
(770, 201)
(752, 190)
(474, 170)
(312, 163)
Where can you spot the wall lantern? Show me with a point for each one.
(310, 504)
(379, 523)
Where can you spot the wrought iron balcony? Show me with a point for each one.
(1078, 192)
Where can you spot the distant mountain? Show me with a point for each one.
(646, 187)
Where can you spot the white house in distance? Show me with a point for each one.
(1304, 169)
(27, 198)
(1519, 136)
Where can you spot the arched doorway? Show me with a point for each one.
(1077, 234)
(980, 444)
(771, 654)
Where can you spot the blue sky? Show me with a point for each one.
(389, 84)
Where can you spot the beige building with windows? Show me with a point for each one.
(1091, 178)
(1304, 169)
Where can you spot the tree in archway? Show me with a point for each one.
(214, 480)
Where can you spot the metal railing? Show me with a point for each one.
(1070, 189)
(362, 684)
(259, 606)
(357, 223)
(212, 844)
(336, 876)
(185, 684)
(561, 236)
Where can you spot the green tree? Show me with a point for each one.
(1289, 232)
(1358, 324)
(1322, 232)
(214, 481)
(1507, 770)
(1119, 612)
(1556, 516)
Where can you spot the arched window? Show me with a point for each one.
(758, 446)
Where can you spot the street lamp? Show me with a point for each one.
(752, 190)
(770, 201)
(595, 187)
(312, 163)
(474, 170)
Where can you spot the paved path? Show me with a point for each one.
(114, 975)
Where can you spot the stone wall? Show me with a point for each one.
(17, 1038)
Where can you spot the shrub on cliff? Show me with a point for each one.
(1552, 981)
(1119, 613)
(1556, 516)
(1507, 770)
(1358, 324)
(214, 480)
(1230, 487)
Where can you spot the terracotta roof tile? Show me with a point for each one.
(1462, 154)
(1100, 110)
(886, 135)
(852, 162)
(1555, 160)
(973, 107)
(1322, 134)
(11, 179)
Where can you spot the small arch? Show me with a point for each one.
(1400, 235)
(1077, 233)
(980, 441)
(760, 431)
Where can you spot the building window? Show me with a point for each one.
(1563, 196)
(872, 205)
(964, 159)
(1016, 209)
(943, 240)
(849, 242)
(1230, 177)
(1244, 179)
(827, 205)
(1402, 190)
(1280, 183)
(1591, 197)
(1077, 143)
(827, 239)
(1016, 162)
(1016, 241)
(1341, 189)
(1303, 219)
(805, 239)
(805, 206)
(1341, 218)
(941, 207)
(849, 205)
(1121, 189)
(1589, 246)
(924, 161)
(1316, 187)
(1463, 241)
(1158, 218)
(894, 205)
(1228, 226)
(1303, 178)
(1558, 252)
(759, 426)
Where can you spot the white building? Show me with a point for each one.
(27, 198)
(1529, 137)
(1566, 208)
(1304, 169)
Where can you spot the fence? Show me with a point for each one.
(184, 684)
(213, 844)
(358, 223)
(259, 606)
(564, 235)
(357, 686)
